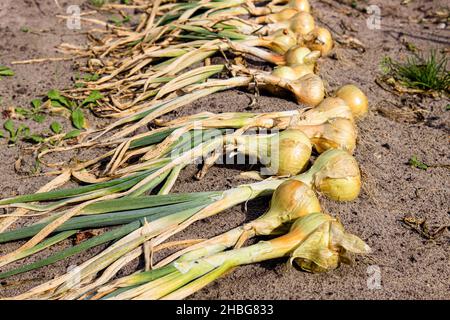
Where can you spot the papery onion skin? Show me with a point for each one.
(302, 23)
(292, 153)
(293, 73)
(319, 39)
(329, 108)
(283, 40)
(296, 55)
(341, 181)
(344, 189)
(285, 154)
(309, 90)
(282, 72)
(303, 69)
(284, 15)
(300, 5)
(291, 200)
(285, 72)
(337, 133)
(327, 246)
(355, 99)
(335, 173)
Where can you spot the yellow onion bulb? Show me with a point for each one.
(284, 154)
(291, 200)
(283, 40)
(329, 108)
(300, 5)
(302, 23)
(303, 69)
(337, 133)
(285, 72)
(293, 72)
(327, 245)
(295, 199)
(282, 16)
(289, 152)
(308, 89)
(296, 55)
(336, 174)
(355, 99)
(319, 39)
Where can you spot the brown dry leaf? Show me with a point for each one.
(18, 164)
(351, 42)
(422, 228)
(85, 235)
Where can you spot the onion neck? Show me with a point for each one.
(275, 248)
(255, 146)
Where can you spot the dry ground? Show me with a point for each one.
(412, 267)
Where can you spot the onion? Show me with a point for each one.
(329, 108)
(303, 69)
(335, 173)
(327, 244)
(300, 5)
(284, 153)
(296, 55)
(309, 89)
(299, 62)
(355, 99)
(291, 200)
(285, 72)
(319, 39)
(294, 7)
(283, 40)
(316, 243)
(302, 23)
(337, 133)
(284, 15)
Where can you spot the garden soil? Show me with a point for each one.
(405, 263)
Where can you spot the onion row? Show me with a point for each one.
(142, 85)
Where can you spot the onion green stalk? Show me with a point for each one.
(329, 125)
(291, 200)
(286, 153)
(166, 219)
(181, 55)
(334, 173)
(107, 217)
(316, 242)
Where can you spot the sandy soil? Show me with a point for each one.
(412, 267)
